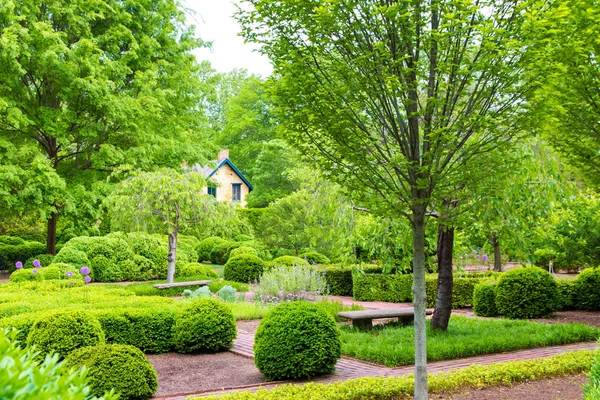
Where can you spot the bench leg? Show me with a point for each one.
(363, 324)
(407, 320)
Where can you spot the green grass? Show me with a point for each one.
(147, 289)
(218, 268)
(248, 310)
(394, 345)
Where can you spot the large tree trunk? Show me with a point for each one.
(419, 302)
(172, 257)
(497, 254)
(51, 234)
(443, 302)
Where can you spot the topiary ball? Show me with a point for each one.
(313, 257)
(289, 261)
(65, 331)
(296, 340)
(243, 250)
(197, 269)
(243, 268)
(527, 293)
(587, 290)
(121, 367)
(204, 326)
(484, 299)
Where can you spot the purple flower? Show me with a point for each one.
(474, 251)
(373, 262)
(35, 271)
(484, 257)
(37, 264)
(71, 283)
(69, 274)
(84, 270)
(18, 265)
(477, 256)
(87, 279)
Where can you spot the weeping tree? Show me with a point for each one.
(394, 99)
(163, 201)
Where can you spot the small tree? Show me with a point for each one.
(165, 201)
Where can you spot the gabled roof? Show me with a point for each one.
(208, 172)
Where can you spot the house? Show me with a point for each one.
(226, 182)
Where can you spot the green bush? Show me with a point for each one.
(63, 332)
(70, 255)
(25, 275)
(243, 268)
(243, 238)
(218, 285)
(484, 299)
(289, 261)
(527, 293)
(296, 340)
(313, 257)
(53, 272)
(339, 279)
(206, 246)
(543, 257)
(197, 269)
(204, 325)
(592, 388)
(587, 290)
(220, 253)
(11, 240)
(21, 252)
(243, 250)
(44, 259)
(253, 216)
(567, 289)
(117, 367)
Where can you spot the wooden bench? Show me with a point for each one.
(364, 319)
(181, 284)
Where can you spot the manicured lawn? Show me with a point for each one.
(394, 346)
(218, 268)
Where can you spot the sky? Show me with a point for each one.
(214, 22)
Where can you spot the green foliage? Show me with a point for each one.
(296, 340)
(25, 275)
(243, 268)
(253, 216)
(24, 377)
(44, 259)
(117, 367)
(202, 292)
(543, 258)
(197, 269)
(20, 252)
(243, 238)
(472, 377)
(333, 307)
(11, 240)
(70, 255)
(242, 310)
(592, 388)
(204, 326)
(587, 290)
(567, 288)
(312, 257)
(227, 293)
(217, 285)
(243, 250)
(63, 332)
(484, 299)
(289, 261)
(339, 279)
(527, 293)
(206, 246)
(284, 284)
(465, 337)
(220, 253)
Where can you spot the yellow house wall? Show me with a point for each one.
(224, 177)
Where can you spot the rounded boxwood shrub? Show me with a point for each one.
(243, 238)
(205, 247)
(206, 325)
(121, 367)
(197, 269)
(296, 340)
(70, 255)
(484, 299)
(527, 293)
(289, 261)
(243, 268)
(243, 250)
(220, 253)
(313, 257)
(25, 275)
(587, 290)
(44, 259)
(63, 332)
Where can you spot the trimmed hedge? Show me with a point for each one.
(339, 279)
(289, 261)
(243, 268)
(484, 299)
(11, 253)
(197, 269)
(296, 340)
(312, 257)
(567, 288)
(243, 250)
(114, 366)
(25, 275)
(587, 290)
(44, 259)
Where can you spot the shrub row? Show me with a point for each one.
(339, 279)
(13, 249)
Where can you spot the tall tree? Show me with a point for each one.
(394, 98)
(99, 83)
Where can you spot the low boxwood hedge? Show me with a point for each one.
(587, 290)
(339, 279)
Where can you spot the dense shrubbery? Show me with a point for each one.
(25, 275)
(63, 332)
(339, 279)
(204, 325)
(120, 367)
(592, 388)
(13, 249)
(527, 293)
(197, 269)
(44, 259)
(484, 299)
(313, 257)
(289, 261)
(243, 268)
(296, 340)
(567, 289)
(284, 284)
(206, 246)
(587, 290)
(243, 250)
(220, 253)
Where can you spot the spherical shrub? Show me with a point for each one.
(484, 299)
(65, 331)
(197, 269)
(289, 261)
(205, 247)
(243, 238)
(26, 275)
(44, 259)
(587, 290)
(70, 255)
(120, 367)
(315, 258)
(243, 268)
(296, 340)
(220, 253)
(243, 250)
(205, 325)
(527, 293)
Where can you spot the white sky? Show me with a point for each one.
(214, 22)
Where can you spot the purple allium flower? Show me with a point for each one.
(18, 265)
(477, 256)
(87, 279)
(373, 262)
(35, 271)
(84, 270)
(71, 283)
(474, 251)
(37, 264)
(69, 274)
(484, 257)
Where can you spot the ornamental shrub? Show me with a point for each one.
(63, 332)
(11, 240)
(220, 253)
(543, 257)
(592, 388)
(70, 255)
(243, 238)
(289, 261)
(44, 259)
(21, 252)
(205, 325)
(484, 299)
(313, 257)
(122, 368)
(567, 289)
(205, 247)
(243, 250)
(197, 269)
(587, 290)
(296, 340)
(527, 293)
(25, 275)
(243, 268)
